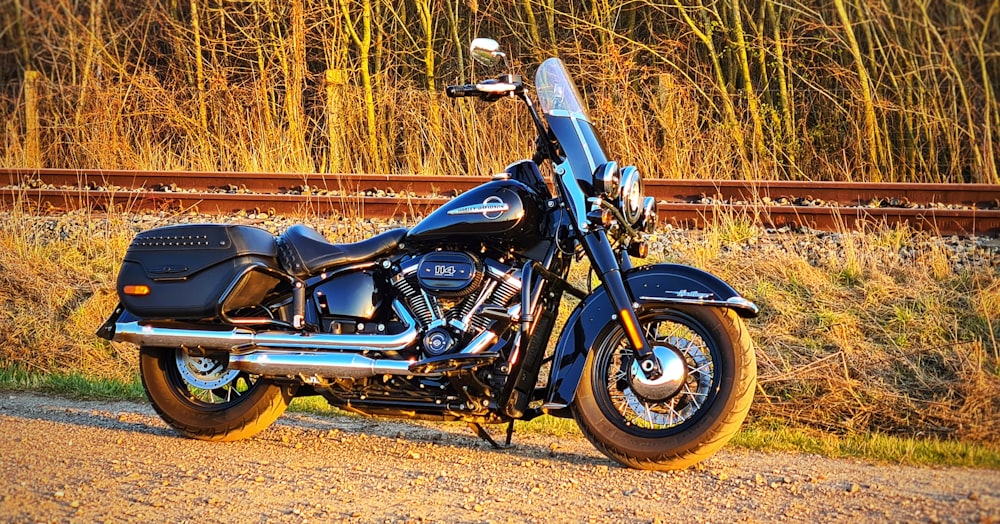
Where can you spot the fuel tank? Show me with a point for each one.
(503, 210)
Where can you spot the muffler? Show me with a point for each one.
(241, 340)
(318, 364)
(285, 363)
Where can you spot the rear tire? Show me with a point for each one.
(688, 427)
(200, 398)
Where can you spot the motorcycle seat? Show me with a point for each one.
(303, 251)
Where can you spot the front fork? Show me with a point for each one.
(609, 269)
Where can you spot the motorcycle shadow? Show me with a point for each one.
(433, 439)
(312, 433)
(106, 415)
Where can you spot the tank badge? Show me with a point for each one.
(492, 208)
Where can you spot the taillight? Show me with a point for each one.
(136, 290)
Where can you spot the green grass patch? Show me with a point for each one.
(316, 405)
(773, 436)
(72, 385)
(549, 425)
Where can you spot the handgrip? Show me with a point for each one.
(458, 91)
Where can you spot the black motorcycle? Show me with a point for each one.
(451, 319)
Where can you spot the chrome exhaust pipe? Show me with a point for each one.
(276, 363)
(288, 354)
(479, 344)
(241, 340)
(324, 364)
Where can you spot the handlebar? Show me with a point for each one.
(489, 90)
(458, 91)
(508, 86)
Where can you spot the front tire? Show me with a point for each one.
(687, 427)
(200, 398)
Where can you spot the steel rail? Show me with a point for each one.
(947, 209)
(983, 196)
(249, 182)
(55, 200)
(946, 222)
(845, 193)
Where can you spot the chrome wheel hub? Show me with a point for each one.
(666, 385)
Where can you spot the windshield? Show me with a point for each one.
(567, 116)
(557, 94)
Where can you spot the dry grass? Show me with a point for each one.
(879, 331)
(799, 89)
(57, 280)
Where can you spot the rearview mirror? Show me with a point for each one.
(486, 51)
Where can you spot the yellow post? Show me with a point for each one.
(33, 149)
(336, 79)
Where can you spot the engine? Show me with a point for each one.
(445, 289)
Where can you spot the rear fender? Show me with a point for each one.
(652, 286)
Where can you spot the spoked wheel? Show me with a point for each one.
(201, 398)
(682, 418)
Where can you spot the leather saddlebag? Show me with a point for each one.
(189, 270)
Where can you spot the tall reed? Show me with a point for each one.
(848, 90)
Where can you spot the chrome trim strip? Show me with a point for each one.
(568, 114)
(737, 302)
(741, 302)
(677, 300)
(583, 142)
(575, 118)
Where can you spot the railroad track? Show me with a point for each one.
(947, 209)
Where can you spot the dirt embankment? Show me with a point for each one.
(66, 460)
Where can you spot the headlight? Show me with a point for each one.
(648, 221)
(606, 178)
(630, 195)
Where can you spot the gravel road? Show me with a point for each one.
(67, 460)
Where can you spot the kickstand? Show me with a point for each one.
(481, 433)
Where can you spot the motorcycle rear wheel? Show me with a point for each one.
(688, 427)
(201, 399)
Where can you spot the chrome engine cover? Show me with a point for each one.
(444, 297)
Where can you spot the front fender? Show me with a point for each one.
(648, 286)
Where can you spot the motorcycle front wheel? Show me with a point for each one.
(200, 398)
(641, 425)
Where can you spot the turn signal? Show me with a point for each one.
(599, 217)
(638, 249)
(136, 291)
